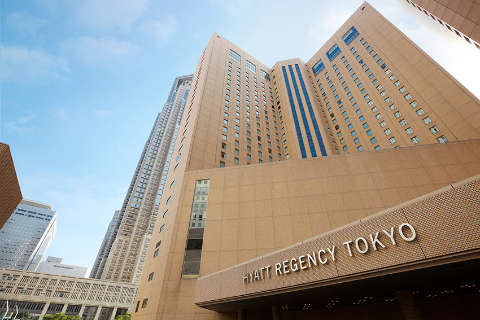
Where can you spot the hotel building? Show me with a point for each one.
(347, 185)
(461, 18)
(122, 254)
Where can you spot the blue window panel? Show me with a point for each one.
(294, 113)
(302, 113)
(318, 67)
(333, 52)
(383, 66)
(312, 115)
(350, 35)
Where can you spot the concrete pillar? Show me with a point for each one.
(112, 317)
(97, 314)
(82, 309)
(407, 305)
(64, 308)
(275, 313)
(241, 315)
(44, 310)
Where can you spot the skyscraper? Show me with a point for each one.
(122, 258)
(102, 255)
(367, 126)
(10, 194)
(26, 236)
(461, 18)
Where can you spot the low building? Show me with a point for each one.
(54, 265)
(10, 194)
(40, 294)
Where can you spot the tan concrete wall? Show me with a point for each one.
(255, 210)
(10, 194)
(445, 223)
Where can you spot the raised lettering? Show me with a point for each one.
(301, 259)
(311, 259)
(278, 268)
(285, 267)
(412, 231)
(365, 243)
(332, 252)
(267, 268)
(261, 273)
(390, 235)
(347, 244)
(257, 276)
(293, 265)
(322, 261)
(375, 241)
(245, 278)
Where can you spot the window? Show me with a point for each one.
(377, 147)
(165, 213)
(392, 106)
(350, 35)
(224, 137)
(383, 93)
(397, 83)
(434, 129)
(409, 130)
(318, 67)
(235, 56)
(138, 304)
(397, 114)
(144, 303)
(378, 116)
(333, 52)
(427, 120)
(374, 109)
(373, 140)
(150, 276)
(388, 100)
(383, 124)
(162, 228)
(420, 112)
(369, 132)
(360, 148)
(402, 89)
(365, 125)
(353, 133)
(403, 122)
(442, 139)
(387, 131)
(250, 66)
(408, 96)
(155, 254)
(414, 104)
(415, 140)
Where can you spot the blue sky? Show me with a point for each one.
(82, 82)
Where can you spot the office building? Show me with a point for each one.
(346, 186)
(54, 265)
(125, 253)
(25, 237)
(102, 255)
(40, 294)
(10, 194)
(460, 18)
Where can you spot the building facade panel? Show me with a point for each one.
(10, 193)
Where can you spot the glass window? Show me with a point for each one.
(356, 140)
(222, 164)
(403, 122)
(387, 131)
(427, 120)
(408, 96)
(434, 129)
(420, 112)
(350, 35)
(235, 56)
(373, 140)
(250, 66)
(392, 140)
(150, 276)
(318, 67)
(415, 140)
(333, 52)
(353, 133)
(392, 106)
(369, 132)
(409, 130)
(442, 139)
(397, 114)
(402, 89)
(360, 148)
(414, 104)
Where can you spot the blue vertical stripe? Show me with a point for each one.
(312, 114)
(302, 112)
(294, 113)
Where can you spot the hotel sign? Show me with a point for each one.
(322, 256)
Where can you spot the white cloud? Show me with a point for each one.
(110, 14)
(159, 30)
(21, 124)
(92, 49)
(24, 23)
(22, 65)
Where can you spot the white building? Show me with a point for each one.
(53, 265)
(26, 235)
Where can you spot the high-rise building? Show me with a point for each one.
(54, 265)
(282, 180)
(102, 255)
(130, 238)
(461, 18)
(10, 194)
(25, 237)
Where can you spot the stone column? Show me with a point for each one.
(64, 308)
(112, 317)
(407, 305)
(44, 310)
(82, 309)
(275, 313)
(97, 314)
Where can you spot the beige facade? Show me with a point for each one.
(460, 17)
(40, 294)
(257, 205)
